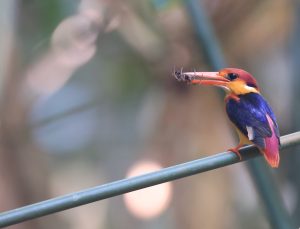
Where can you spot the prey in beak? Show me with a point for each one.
(203, 78)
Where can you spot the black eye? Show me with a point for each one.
(232, 76)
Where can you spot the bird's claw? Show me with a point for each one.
(236, 151)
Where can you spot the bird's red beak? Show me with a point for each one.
(204, 78)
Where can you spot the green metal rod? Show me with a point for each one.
(278, 215)
(205, 34)
(131, 184)
(260, 174)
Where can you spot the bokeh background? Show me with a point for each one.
(88, 97)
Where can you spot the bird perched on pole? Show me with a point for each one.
(246, 108)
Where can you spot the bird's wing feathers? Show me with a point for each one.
(251, 113)
(254, 118)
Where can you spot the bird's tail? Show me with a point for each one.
(271, 152)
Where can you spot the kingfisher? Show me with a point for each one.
(249, 112)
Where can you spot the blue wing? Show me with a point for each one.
(251, 112)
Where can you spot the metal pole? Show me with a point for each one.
(292, 172)
(273, 203)
(131, 184)
(261, 176)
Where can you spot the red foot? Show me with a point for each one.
(236, 151)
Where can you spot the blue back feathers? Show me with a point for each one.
(251, 111)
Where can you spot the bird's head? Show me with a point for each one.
(234, 80)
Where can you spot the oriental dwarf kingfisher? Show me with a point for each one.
(246, 108)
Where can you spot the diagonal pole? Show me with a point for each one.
(261, 175)
(119, 187)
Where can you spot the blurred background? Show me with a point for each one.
(88, 97)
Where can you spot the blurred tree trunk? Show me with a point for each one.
(23, 173)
